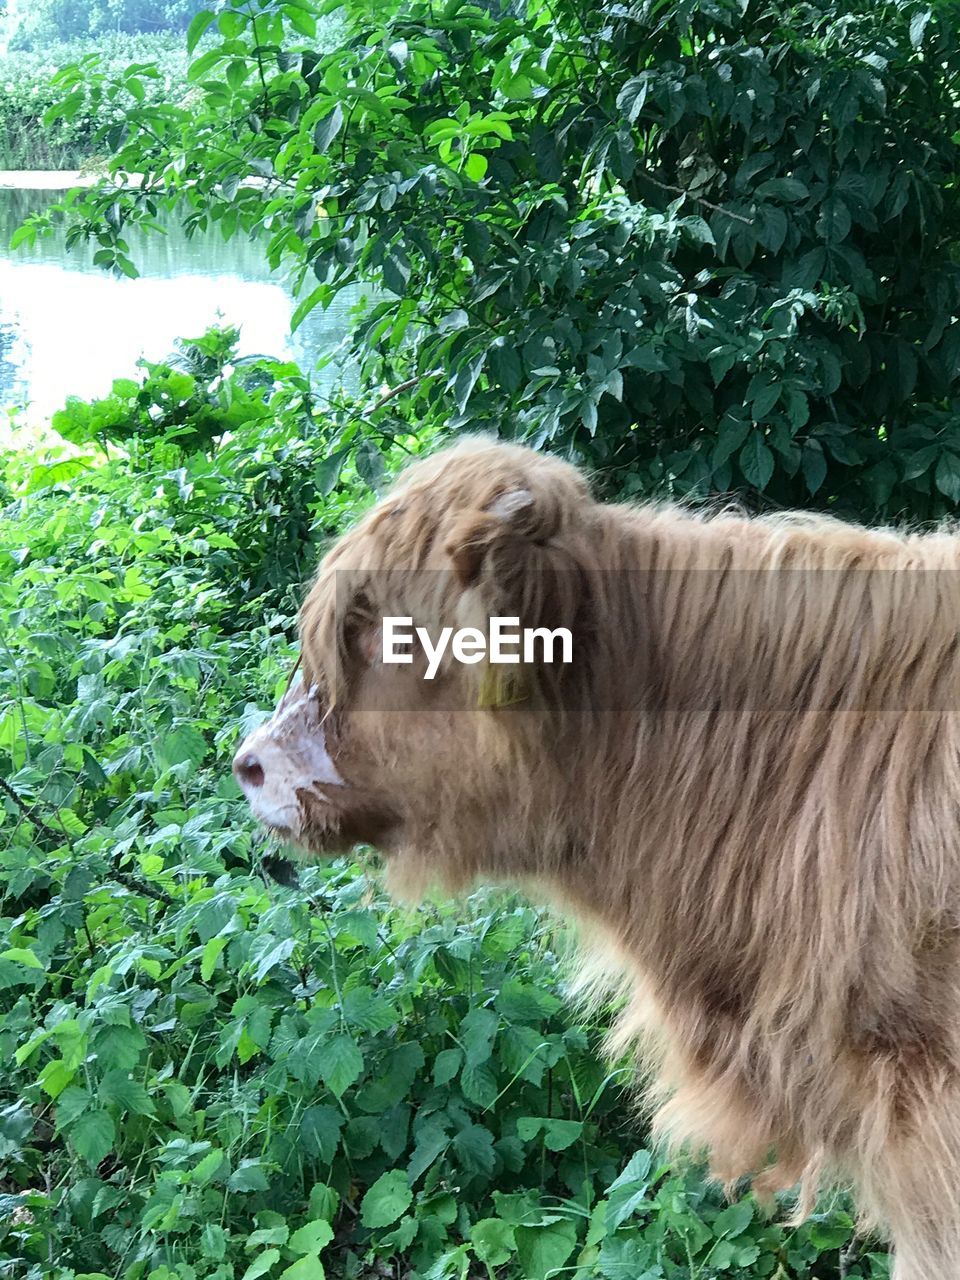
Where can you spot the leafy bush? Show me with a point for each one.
(210, 1075)
(47, 21)
(706, 246)
(27, 92)
(238, 449)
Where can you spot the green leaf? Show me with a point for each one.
(756, 461)
(734, 1219)
(918, 25)
(308, 304)
(320, 1132)
(249, 1176)
(339, 1062)
(370, 464)
(327, 128)
(312, 1237)
(118, 1088)
(506, 365)
(921, 461)
(904, 367)
(119, 1046)
(198, 26)
(762, 393)
(732, 434)
(210, 956)
(633, 95)
(185, 745)
(473, 1147)
(396, 272)
(236, 73)
(446, 1065)
(268, 953)
(557, 1134)
(813, 465)
(93, 1136)
(543, 1250)
(21, 955)
(71, 1104)
(213, 1241)
(479, 1084)
(834, 221)
(279, 1234)
(466, 380)
(475, 166)
(947, 475)
(48, 475)
(790, 190)
(327, 473)
(206, 62)
(309, 1268)
(388, 1198)
(25, 234)
(477, 1031)
(260, 1266)
(301, 20)
(493, 1241)
(629, 1191)
(208, 1168)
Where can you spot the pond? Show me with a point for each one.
(69, 328)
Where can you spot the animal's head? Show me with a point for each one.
(452, 765)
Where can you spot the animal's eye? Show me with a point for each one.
(369, 644)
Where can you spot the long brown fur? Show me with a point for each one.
(747, 790)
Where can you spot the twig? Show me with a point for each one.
(27, 812)
(133, 883)
(848, 1255)
(398, 390)
(136, 885)
(682, 191)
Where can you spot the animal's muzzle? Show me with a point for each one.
(285, 758)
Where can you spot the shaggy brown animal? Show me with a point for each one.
(746, 787)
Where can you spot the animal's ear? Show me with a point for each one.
(508, 520)
(518, 556)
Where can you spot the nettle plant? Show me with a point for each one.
(700, 246)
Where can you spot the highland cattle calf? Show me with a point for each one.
(745, 785)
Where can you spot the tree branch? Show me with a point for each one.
(708, 204)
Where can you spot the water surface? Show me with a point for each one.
(69, 328)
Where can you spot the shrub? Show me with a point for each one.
(47, 21)
(701, 247)
(27, 93)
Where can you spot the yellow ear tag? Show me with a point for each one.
(502, 689)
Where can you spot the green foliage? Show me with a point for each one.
(27, 92)
(700, 246)
(186, 402)
(234, 460)
(47, 21)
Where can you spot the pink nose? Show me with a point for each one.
(248, 770)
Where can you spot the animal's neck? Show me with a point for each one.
(757, 688)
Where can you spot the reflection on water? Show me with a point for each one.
(67, 328)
